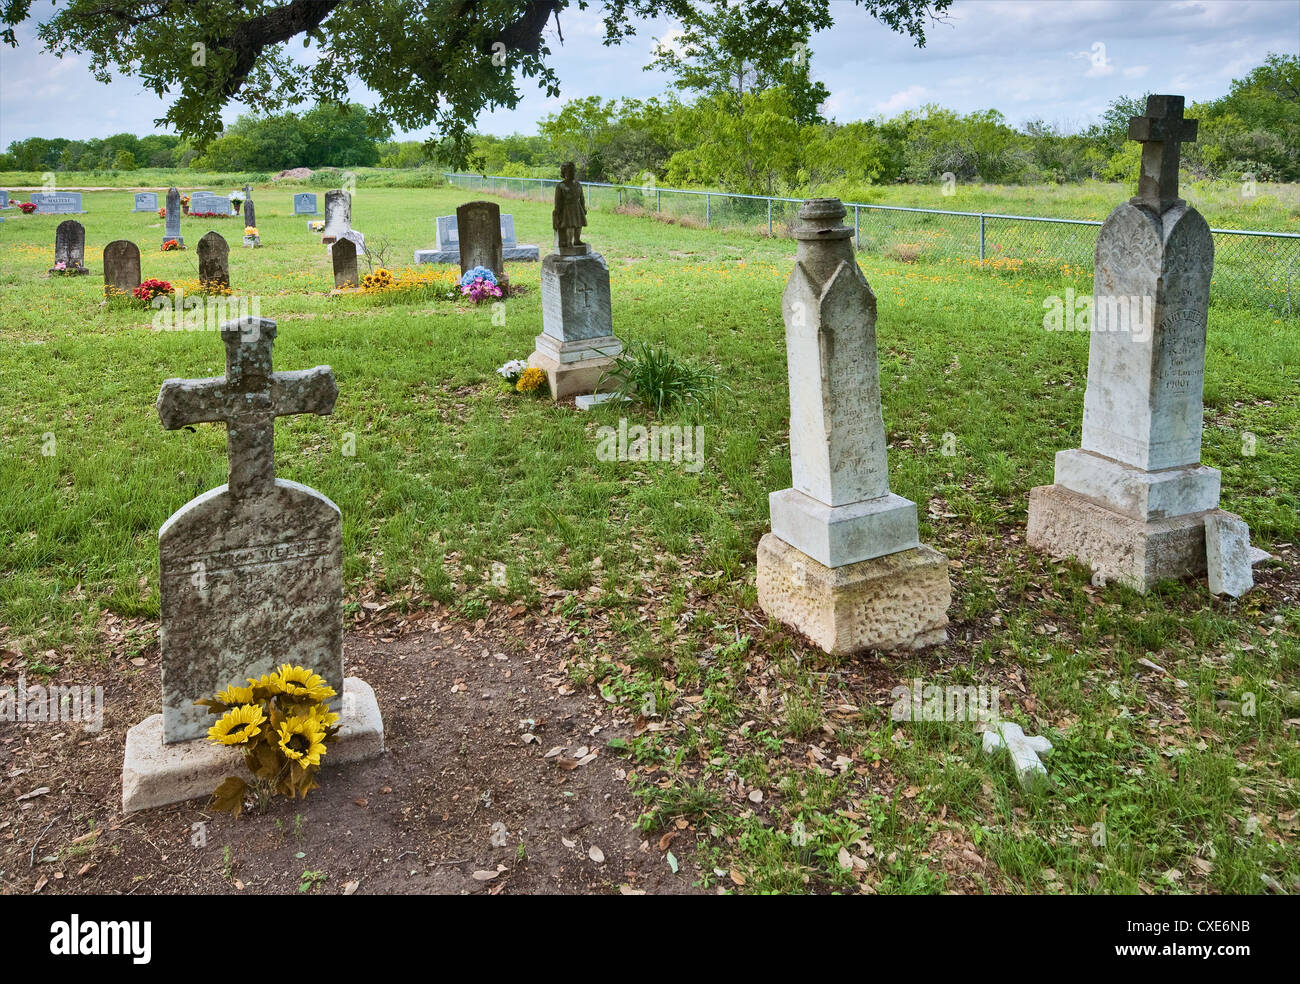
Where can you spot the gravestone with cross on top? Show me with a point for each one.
(1133, 500)
(250, 574)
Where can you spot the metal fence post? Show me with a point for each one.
(981, 239)
(857, 227)
(658, 207)
(769, 218)
(708, 208)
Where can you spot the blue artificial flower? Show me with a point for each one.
(478, 272)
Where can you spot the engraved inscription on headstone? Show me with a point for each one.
(304, 203)
(121, 268)
(478, 226)
(146, 201)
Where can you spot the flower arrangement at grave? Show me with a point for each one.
(379, 279)
(236, 201)
(251, 237)
(531, 381)
(479, 284)
(27, 207)
(185, 204)
(512, 370)
(283, 724)
(151, 288)
(209, 215)
(61, 267)
(162, 213)
(317, 225)
(169, 245)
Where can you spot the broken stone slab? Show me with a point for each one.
(1024, 751)
(158, 774)
(1228, 554)
(588, 400)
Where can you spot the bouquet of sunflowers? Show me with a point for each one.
(282, 723)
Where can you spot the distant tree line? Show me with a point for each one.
(744, 126)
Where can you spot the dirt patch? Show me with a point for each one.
(457, 702)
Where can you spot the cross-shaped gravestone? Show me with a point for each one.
(1160, 132)
(1024, 751)
(250, 572)
(248, 399)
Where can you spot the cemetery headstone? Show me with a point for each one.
(344, 255)
(4, 198)
(121, 267)
(172, 223)
(1132, 502)
(446, 247)
(478, 226)
(250, 222)
(146, 201)
(338, 215)
(843, 563)
(205, 203)
(577, 346)
(57, 203)
(70, 248)
(304, 203)
(214, 261)
(250, 575)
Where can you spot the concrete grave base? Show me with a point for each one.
(896, 602)
(1114, 546)
(155, 774)
(839, 535)
(567, 379)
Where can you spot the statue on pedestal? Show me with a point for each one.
(570, 213)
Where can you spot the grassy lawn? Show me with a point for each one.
(653, 566)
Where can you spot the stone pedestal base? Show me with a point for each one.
(575, 368)
(155, 774)
(899, 601)
(839, 535)
(1135, 492)
(1117, 547)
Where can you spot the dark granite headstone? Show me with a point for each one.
(214, 261)
(121, 267)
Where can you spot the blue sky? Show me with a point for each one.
(1059, 61)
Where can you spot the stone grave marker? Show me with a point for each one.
(214, 260)
(250, 220)
(344, 255)
(146, 201)
(121, 267)
(338, 215)
(1132, 502)
(250, 575)
(843, 563)
(304, 203)
(204, 202)
(57, 203)
(4, 198)
(70, 248)
(447, 243)
(172, 223)
(478, 226)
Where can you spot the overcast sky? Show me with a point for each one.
(1059, 61)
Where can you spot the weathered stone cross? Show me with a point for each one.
(248, 398)
(1160, 132)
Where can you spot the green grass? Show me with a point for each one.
(453, 474)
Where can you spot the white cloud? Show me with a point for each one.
(908, 98)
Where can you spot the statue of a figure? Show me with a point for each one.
(570, 213)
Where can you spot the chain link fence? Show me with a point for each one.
(1255, 268)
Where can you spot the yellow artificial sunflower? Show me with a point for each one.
(267, 683)
(238, 725)
(302, 683)
(234, 696)
(302, 739)
(323, 715)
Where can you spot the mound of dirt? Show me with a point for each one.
(294, 172)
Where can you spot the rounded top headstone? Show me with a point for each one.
(819, 219)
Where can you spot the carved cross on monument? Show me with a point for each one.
(1160, 132)
(248, 399)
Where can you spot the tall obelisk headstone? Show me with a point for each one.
(843, 563)
(1132, 502)
(250, 575)
(172, 226)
